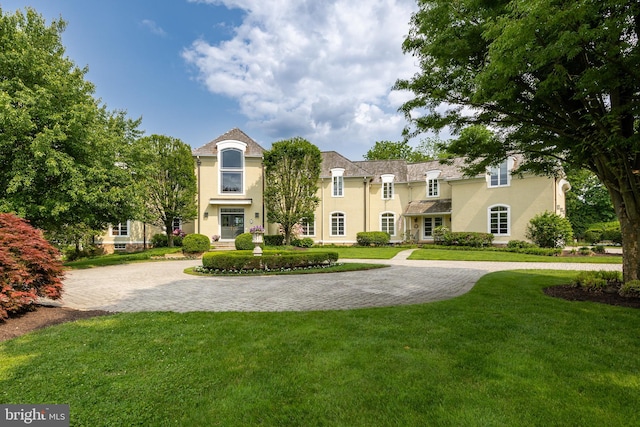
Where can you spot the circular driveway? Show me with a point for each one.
(162, 286)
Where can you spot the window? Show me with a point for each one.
(433, 185)
(430, 224)
(499, 220)
(387, 186)
(308, 228)
(337, 224)
(176, 224)
(231, 171)
(337, 182)
(388, 223)
(499, 175)
(121, 229)
(120, 246)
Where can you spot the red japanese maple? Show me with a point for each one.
(30, 267)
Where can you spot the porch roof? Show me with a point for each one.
(428, 207)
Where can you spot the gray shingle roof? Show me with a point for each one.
(331, 160)
(428, 207)
(235, 134)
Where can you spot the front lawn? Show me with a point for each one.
(362, 252)
(118, 258)
(480, 255)
(503, 354)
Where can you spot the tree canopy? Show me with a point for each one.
(558, 81)
(167, 180)
(292, 168)
(60, 150)
(428, 149)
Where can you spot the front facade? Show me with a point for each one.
(407, 200)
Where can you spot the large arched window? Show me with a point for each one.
(231, 157)
(388, 223)
(499, 220)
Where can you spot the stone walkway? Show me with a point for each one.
(162, 286)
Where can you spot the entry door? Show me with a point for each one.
(232, 222)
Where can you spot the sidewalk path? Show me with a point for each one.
(162, 286)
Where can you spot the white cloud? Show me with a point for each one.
(153, 27)
(319, 69)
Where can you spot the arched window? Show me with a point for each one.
(388, 223)
(499, 220)
(231, 158)
(338, 224)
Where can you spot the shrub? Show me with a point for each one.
(375, 238)
(243, 261)
(597, 281)
(585, 251)
(439, 234)
(599, 249)
(631, 289)
(614, 236)
(30, 267)
(274, 240)
(159, 240)
(195, 244)
(305, 242)
(471, 239)
(244, 242)
(178, 241)
(71, 254)
(549, 230)
(520, 244)
(592, 236)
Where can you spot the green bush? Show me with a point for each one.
(195, 244)
(592, 236)
(585, 251)
(305, 242)
(520, 244)
(178, 241)
(549, 230)
(614, 236)
(70, 254)
(471, 239)
(599, 249)
(160, 241)
(274, 240)
(597, 281)
(244, 242)
(246, 261)
(631, 289)
(373, 238)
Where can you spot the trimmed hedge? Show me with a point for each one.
(238, 261)
(195, 244)
(373, 238)
(529, 251)
(274, 240)
(464, 238)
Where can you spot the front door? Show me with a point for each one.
(232, 222)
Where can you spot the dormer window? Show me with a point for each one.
(231, 155)
(337, 182)
(433, 184)
(499, 176)
(387, 186)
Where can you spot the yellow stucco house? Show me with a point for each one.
(407, 200)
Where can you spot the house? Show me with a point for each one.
(407, 200)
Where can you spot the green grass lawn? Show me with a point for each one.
(479, 255)
(121, 258)
(361, 252)
(504, 354)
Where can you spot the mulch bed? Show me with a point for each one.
(42, 317)
(571, 293)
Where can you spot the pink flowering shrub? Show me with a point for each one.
(30, 267)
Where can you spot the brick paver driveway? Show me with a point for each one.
(162, 286)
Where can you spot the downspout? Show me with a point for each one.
(322, 211)
(365, 204)
(264, 219)
(198, 163)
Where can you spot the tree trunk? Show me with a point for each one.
(630, 247)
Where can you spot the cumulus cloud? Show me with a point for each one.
(319, 69)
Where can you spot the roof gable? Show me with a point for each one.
(235, 134)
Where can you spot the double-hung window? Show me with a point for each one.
(337, 182)
(387, 186)
(308, 227)
(433, 185)
(499, 175)
(337, 224)
(387, 223)
(121, 229)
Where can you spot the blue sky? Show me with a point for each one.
(322, 70)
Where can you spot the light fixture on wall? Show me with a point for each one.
(206, 215)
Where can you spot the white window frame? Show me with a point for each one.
(501, 215)
(307, 227)
(119, 228)
(338, 216)
(387, 186)
(433, 184)
(119, 246)
(434, 221)
(179, 224)
(500, 175)
(337, 182)
(390, 224)
(237, 146)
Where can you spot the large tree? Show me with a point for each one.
(428, 149)
(167, 180)
(292, 169)
(559, 82)
(60, 150)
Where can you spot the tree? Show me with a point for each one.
(292, 169)
(29, 266)
(558, 81)
(59, 149)
(401, 150)
(588, 202)
(167, 180)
